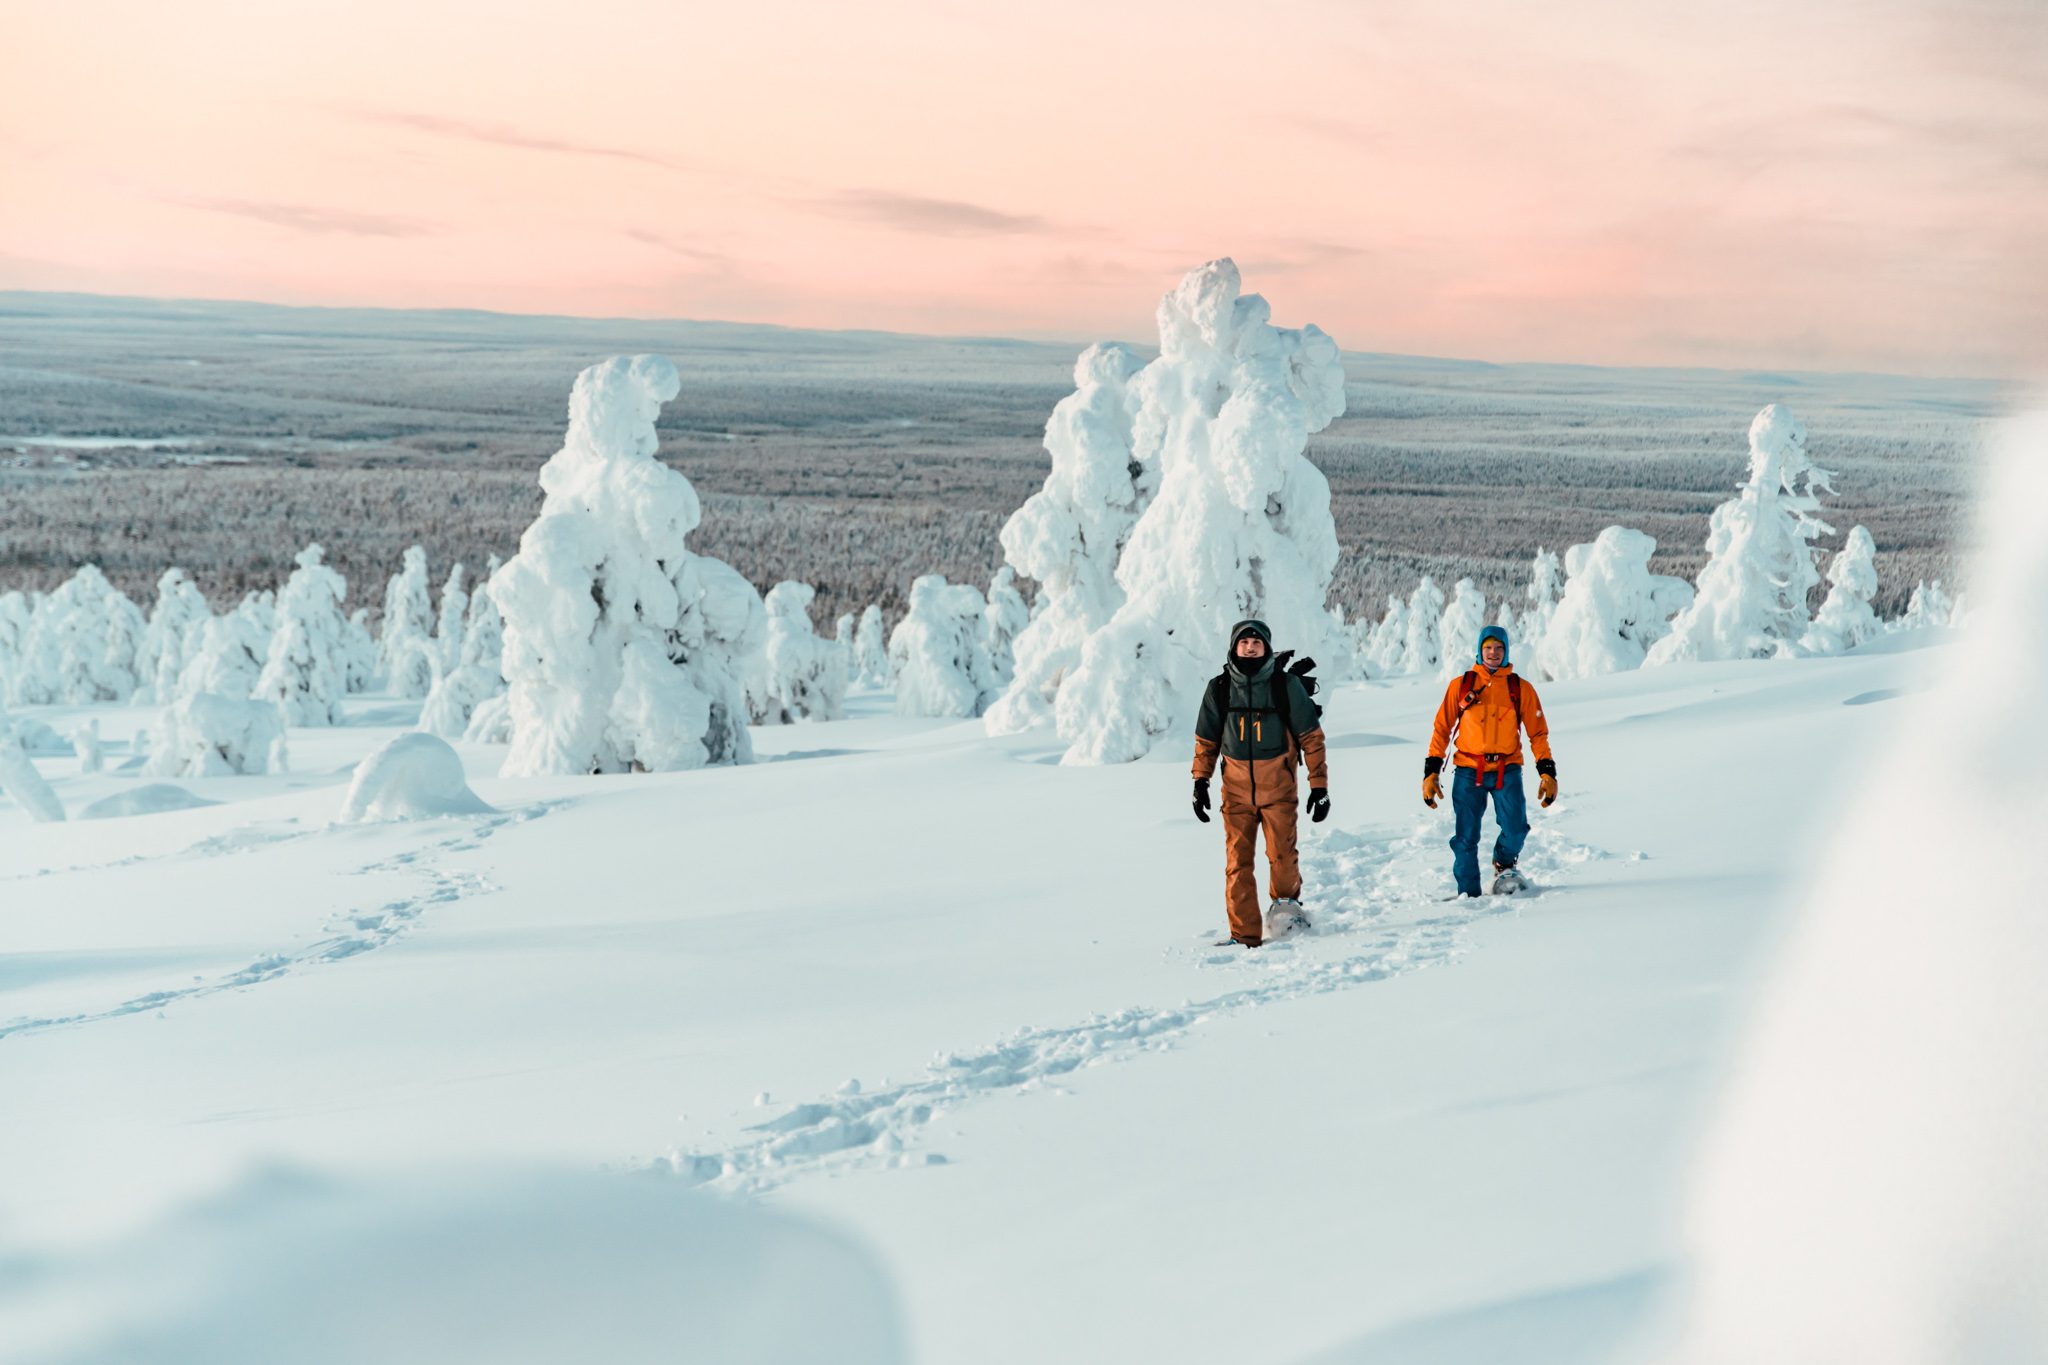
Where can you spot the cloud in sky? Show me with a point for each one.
(944, 217)
(311, 217)
(504, 135)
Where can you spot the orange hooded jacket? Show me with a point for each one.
(1487, 731)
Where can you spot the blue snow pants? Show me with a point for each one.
(1510, 812)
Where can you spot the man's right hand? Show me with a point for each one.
(1432, 790)
(1202, 799)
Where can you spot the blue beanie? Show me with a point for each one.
(1491, 633)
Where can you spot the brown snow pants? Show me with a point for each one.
(1241, 826)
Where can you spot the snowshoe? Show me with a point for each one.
(1235, 941)
(1285, 917)
(1507, 881)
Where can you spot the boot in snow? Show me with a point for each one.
(1507, 880)
(1285, 917)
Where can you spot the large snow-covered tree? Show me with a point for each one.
(805, 675)
(1751, 598)
(1069, 534)
(305, 666)
(624, 649)
(1239, 524)
(173, 629)
(405, 644)
(81, 644)
(1613, 609)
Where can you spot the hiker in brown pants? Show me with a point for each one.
(1260, 718)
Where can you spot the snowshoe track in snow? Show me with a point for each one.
(1373, 909)
(348, 934)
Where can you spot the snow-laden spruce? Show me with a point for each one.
(1928, 607)
(359, 660)
(871, 649)
(937, 652)
(304, 665)
(17, 613)
(804, 674)
(478, 676)
(1422, 651)
(1386, 644)
(172, 632)
(1069, 535)
(623, 648)
(1239, 524)
(1458, 628)
(1750, 601)
(228, 658)
(448, 621)
(1613, 609)
(412, 777)
(81, 645)
(1846, 620)
(405, 646)
(1546, 585)
(1004, 619)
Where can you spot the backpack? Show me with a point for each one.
(1303, 671)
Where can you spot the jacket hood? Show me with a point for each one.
(1492, 633)
(1251, 625)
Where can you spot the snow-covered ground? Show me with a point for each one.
(956, 1003)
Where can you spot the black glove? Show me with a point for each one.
(1202, 799)
(1318, 804)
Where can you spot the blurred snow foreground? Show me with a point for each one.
(1877, 1187)
(1199, 455)
(623, 650)
(516, 1268)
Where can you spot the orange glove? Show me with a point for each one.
(1432, 790)
(1546, 788)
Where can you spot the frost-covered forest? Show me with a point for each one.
(837, 459)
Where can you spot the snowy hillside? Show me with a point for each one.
(933, 991)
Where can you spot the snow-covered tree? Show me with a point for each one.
(1546, 585)
(1423, 650)
(1613, 609)
(1069, 534)
(936, 652)
(1459, 626)
(448, 622)
(173, 624)
(1005, 618)
(81, 644)
(17, 614)
(1845, 620)
(871, 649)
(228, 658)
(304, 666)
(478, 675)
(207, 734)
(405, 646)
(623, 648)
(1239, 524)
(1386, 645)
(806, 675)
(359, 660)
(1751, 601)
(1928, 607)
(21, 781)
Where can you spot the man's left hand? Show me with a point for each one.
(1546, 788)
(1318, 804)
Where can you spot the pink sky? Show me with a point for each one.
(1825, 185)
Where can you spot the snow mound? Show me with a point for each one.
(513, 1270)
(154, 798)
(414, 777)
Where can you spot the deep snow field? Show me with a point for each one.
(903, 1043)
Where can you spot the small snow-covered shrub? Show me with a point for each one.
(1003, 620)
(448, 622)
(478, 674)
(1751, 597)
(1613, 609)
(871, 649)
(411, 777)
(405, 647)
(1386, 644)
(936, 652)
(173, 628)
(210, 735)
(623, 648)
(1928, 607)
(1546, 585)
(1423, 650)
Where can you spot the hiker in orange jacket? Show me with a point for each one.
(1260, 718)
(1486, 709)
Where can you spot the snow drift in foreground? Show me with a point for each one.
(1877, 1187)
(1240, 525)
(623, 649)
(534, 1268)
(415, 776)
